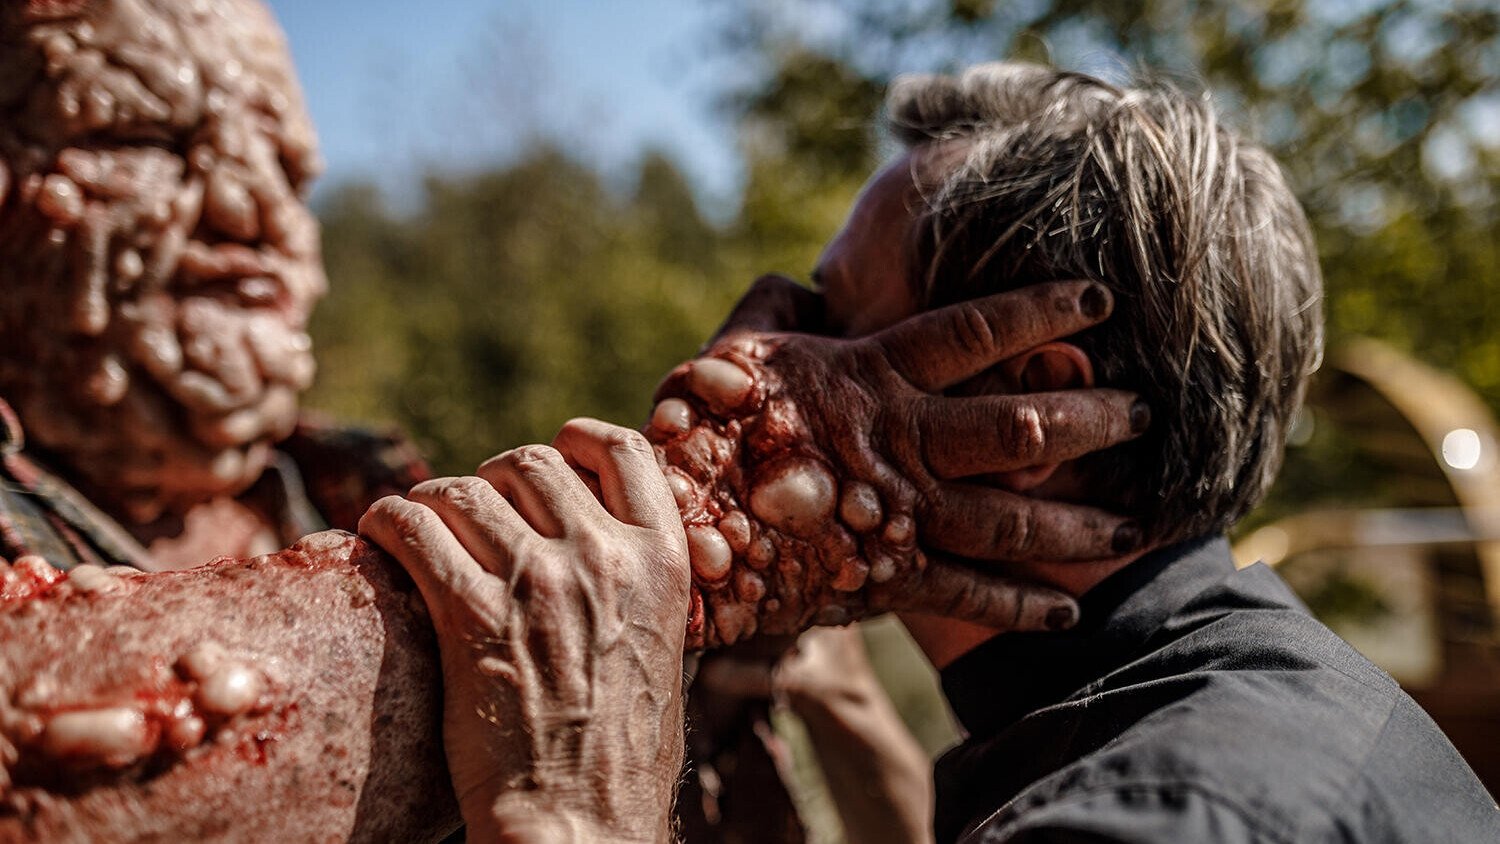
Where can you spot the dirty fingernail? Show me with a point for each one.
(1127, 538)
(1094, 302)
(1140, 417)
(1062, 617)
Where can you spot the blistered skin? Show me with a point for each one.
(157, 261)
(777, 541)
(293, 697)
(760, 502)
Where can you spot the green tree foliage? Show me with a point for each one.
(512, 301)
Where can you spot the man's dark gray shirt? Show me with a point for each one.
(1196, 703)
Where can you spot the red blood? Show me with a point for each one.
(359, 677)
(24, 583)
(696, 619)
(256, 747)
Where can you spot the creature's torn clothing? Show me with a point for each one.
(322, 476)
(1196, 703)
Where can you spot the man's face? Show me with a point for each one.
(865, 270)
(157, 260)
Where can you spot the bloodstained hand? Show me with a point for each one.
(820, 479)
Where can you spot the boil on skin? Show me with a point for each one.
(289, 697)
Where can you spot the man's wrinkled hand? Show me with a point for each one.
(560, 619)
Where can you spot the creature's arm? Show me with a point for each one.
(288, 697)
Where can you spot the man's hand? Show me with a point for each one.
(810, 469)
(560, 620)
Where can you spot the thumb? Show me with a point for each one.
(774, 303)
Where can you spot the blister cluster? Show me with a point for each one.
(173, 707)
(780, 532)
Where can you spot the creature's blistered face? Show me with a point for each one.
(157, 260)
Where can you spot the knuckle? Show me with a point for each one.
(384, 508)
(535, 454)
(626, 442)
(382, 514)
(581, 426)
(450, 490)
(411, 525)
(576, 425)
(530, 459)
(1107, 427)
(492, 466)
(973, 331)
(463, 492)
(1015, 531)
(1024, 433)
(427, 489)
(920, 430)
(961, 600)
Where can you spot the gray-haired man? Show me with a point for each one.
(1194, 702)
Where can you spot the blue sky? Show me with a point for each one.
(400, 88)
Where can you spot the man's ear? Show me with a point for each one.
(1047, 368)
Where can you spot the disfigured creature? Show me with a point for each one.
(158, 262)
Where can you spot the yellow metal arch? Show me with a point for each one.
(1462, 434)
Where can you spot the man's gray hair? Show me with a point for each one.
(1218, 317)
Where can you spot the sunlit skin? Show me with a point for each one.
(747, 418)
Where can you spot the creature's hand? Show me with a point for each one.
(774, 303)
(560, 621)
(808, 469)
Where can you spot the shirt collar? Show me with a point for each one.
(1014, 674)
